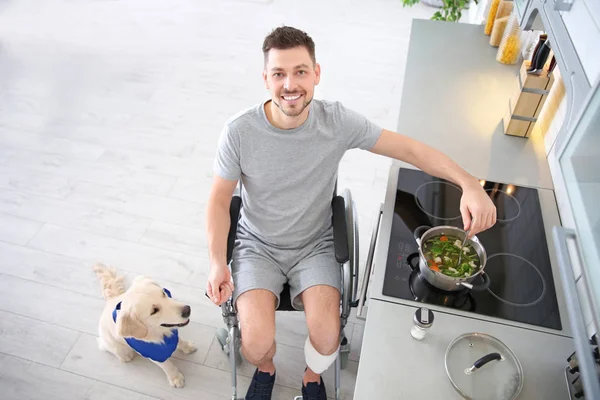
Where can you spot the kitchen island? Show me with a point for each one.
(454, 97)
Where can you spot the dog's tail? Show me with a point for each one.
(112, 285)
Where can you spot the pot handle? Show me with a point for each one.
(481, 286)
(419, 231)
(410, 258)
(482, 361)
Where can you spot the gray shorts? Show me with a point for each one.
(257, 265)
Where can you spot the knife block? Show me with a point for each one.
(526, 103)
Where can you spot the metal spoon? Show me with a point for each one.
(463, 244)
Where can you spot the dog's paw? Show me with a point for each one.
(187, 347)
(177, 381)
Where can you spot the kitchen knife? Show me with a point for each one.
(542, 55)
(552, 64)
(536, 50)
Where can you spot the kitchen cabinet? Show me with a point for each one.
(574, 162)
(584, 31)
(579, 163)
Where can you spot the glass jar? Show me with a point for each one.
(502, 16)
(422, 321)
(491, 17)
(510, 46)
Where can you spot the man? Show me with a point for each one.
(286, 150)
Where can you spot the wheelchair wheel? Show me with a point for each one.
(350, 269)
(353, 237)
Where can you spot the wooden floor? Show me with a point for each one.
(109, 116)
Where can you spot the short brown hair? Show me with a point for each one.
(286, 37)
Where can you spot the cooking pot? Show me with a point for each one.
(445, 282)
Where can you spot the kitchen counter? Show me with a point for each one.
(393, 365)
(454, 96)
(453, 99)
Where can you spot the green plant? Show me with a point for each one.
(451, 10)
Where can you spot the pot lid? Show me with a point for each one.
(482, 367)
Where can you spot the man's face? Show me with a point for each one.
(291, 77)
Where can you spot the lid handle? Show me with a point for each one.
(482, 361)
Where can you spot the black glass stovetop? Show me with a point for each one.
(521, 288)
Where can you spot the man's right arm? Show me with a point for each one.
(219, 286)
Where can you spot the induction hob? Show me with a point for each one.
(522, 286)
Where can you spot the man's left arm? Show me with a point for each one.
(475, 203)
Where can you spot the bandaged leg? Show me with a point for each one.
(316, 361)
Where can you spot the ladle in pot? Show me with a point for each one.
(463, 243)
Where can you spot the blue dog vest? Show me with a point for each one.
(158, 352)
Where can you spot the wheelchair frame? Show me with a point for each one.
(345, 232)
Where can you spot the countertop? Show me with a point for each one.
(453, 99)
(393, 365)
(454, 96)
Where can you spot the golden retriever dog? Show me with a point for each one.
(143, 320)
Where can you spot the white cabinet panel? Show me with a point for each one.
(580, 167)
(594, 9)
(585, 34)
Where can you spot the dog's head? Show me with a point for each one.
(146, 308)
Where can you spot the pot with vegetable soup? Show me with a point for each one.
(440, 250)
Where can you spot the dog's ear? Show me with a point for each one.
(129, 325)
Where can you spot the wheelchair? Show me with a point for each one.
(345, 232)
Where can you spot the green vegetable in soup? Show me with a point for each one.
(442, 253)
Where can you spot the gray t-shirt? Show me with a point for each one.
(289, 176)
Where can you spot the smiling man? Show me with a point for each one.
(286, 151)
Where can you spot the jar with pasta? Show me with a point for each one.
(502, 16)
(491, 17)
(510, 46)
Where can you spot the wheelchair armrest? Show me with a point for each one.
(340, 230)
(234, 215)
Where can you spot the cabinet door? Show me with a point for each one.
(580, 165)
(582, 21)
(579, 161)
